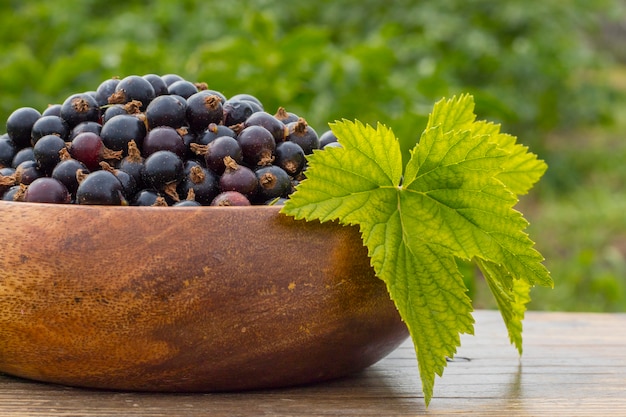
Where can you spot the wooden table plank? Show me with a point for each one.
(574, 364)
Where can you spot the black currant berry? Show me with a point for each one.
(203, 109)
(277, 128)
(89, 148)
(24, 154)
(257, 146)
(164, 138)
(47, 152)
(93, 127)
(166, 110)
(230, 198)
(237, 111)
(105, 89)
(273, 181)
(79, 108)
(52, 110)
(121, 129)
(290, 157)
(213, 132)
(220, 148)
(7, 151)
(182, 88)
(49, 125)
(133, 87)
(170, 79)
(67, 172)
(327, 137)
(163, 170)
(148, 197)
(249, 97)
(238, 178)
(133, 164)
(47, 190)
(27, 172)
(100, 188)
(203, 182)
(304, 135)
(159, 86)
(20, 124)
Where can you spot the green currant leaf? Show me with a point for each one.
(453, 199)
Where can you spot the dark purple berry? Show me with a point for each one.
(290, 157)
(79, 108)
(166, 110)
(182, 88)
(203, 182)
(7, 151)
(304, 135)
(277, 128)
(93, 127)
(257, 146)
(164, 138)
(285, 116)
(163, 169)
(24, 154)
(250, 98)
(27, 172)
(121, 129)
(203, 109)
(105, 89)
(274, 182)
(133, 87)
(238, 178)
(52, 110)
(47, 152)
(170, 79)
(47, 190)
(67, 172)
(20, 124)
(230, 198)
(237, 111)
(159, 86)
(220, 148)
(213, 132)
(327, 137)
(49, 125)
(100, 188)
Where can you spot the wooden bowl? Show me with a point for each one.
(186, 299)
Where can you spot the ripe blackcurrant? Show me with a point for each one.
(257, 146)
(301, 133)
(20, 124)
(78, 108)
(47, 190)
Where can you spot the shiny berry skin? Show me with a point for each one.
(93, 127)
(285, 116)
(213, 132)
(290, 157)
(182, 88)
(277, 128)
(163, 168)
(159, 86)
(7, 151)
(20, 124)
(47, 152)
(121, 129)
(27, 172)
(79, 108)
(66, 172)
(257, 146)
(326, 138)
(47, 190)
(24, 154)
(49, 125)
(88, 148)
(203, 182)
(250, 98)
(220, 148)
(170, 79)
(304, 135)
(133, 87)
(146, 197)
(203, 108)
(104, 91)
(237, 111)
(100, 188)
(230, 198)
(273, 181)
(238, 178)
(52, 110)
(164, 138)
(166, 110)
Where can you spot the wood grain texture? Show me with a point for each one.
(574, 364)
(186, 299)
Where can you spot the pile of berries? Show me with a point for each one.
(155, 140)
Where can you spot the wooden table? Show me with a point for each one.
(574, 364)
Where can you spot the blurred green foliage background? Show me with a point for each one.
(550, 72)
